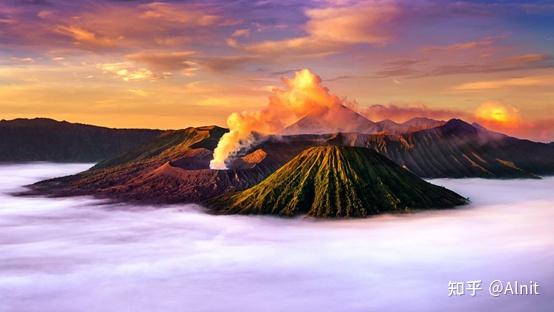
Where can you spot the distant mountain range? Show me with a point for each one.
(342, 119)
(412, 125)
(338, 182)
(175, 167)
(43, 139)
(336, 119)
(454, 150)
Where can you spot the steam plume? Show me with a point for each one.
(302, 95)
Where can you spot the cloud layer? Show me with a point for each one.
(77, 254)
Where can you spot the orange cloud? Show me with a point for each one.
(241, 33)
(469, 45)
(504, 83)
(82, 36)
(138, 92)
(506, 119)
(127, 72)
(179, 13)
(428, 69)
(186, 62)
(224, 63)
(296, 47)
(101, 25)
(540, 130)
(167, 61)
(360, 23)
(527, 58)
(498, 116)
(331, 29)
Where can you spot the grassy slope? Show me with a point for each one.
(335, 181)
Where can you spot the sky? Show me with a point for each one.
(173, 64)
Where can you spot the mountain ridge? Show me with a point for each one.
(175, 168)
(344, 119)
(45, 139)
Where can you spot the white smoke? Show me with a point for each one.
(302, 95)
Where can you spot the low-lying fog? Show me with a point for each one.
(72, 254)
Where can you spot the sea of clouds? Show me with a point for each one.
(80, 254)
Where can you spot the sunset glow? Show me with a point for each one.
(499, 114)
(172, 64)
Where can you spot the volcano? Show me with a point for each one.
(175, 167)
(412, 125)
(338, 118)
(337, 182)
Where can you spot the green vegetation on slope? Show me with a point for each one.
(332, 181)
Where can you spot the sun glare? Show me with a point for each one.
(499, 114)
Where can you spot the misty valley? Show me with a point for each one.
(64, 254)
